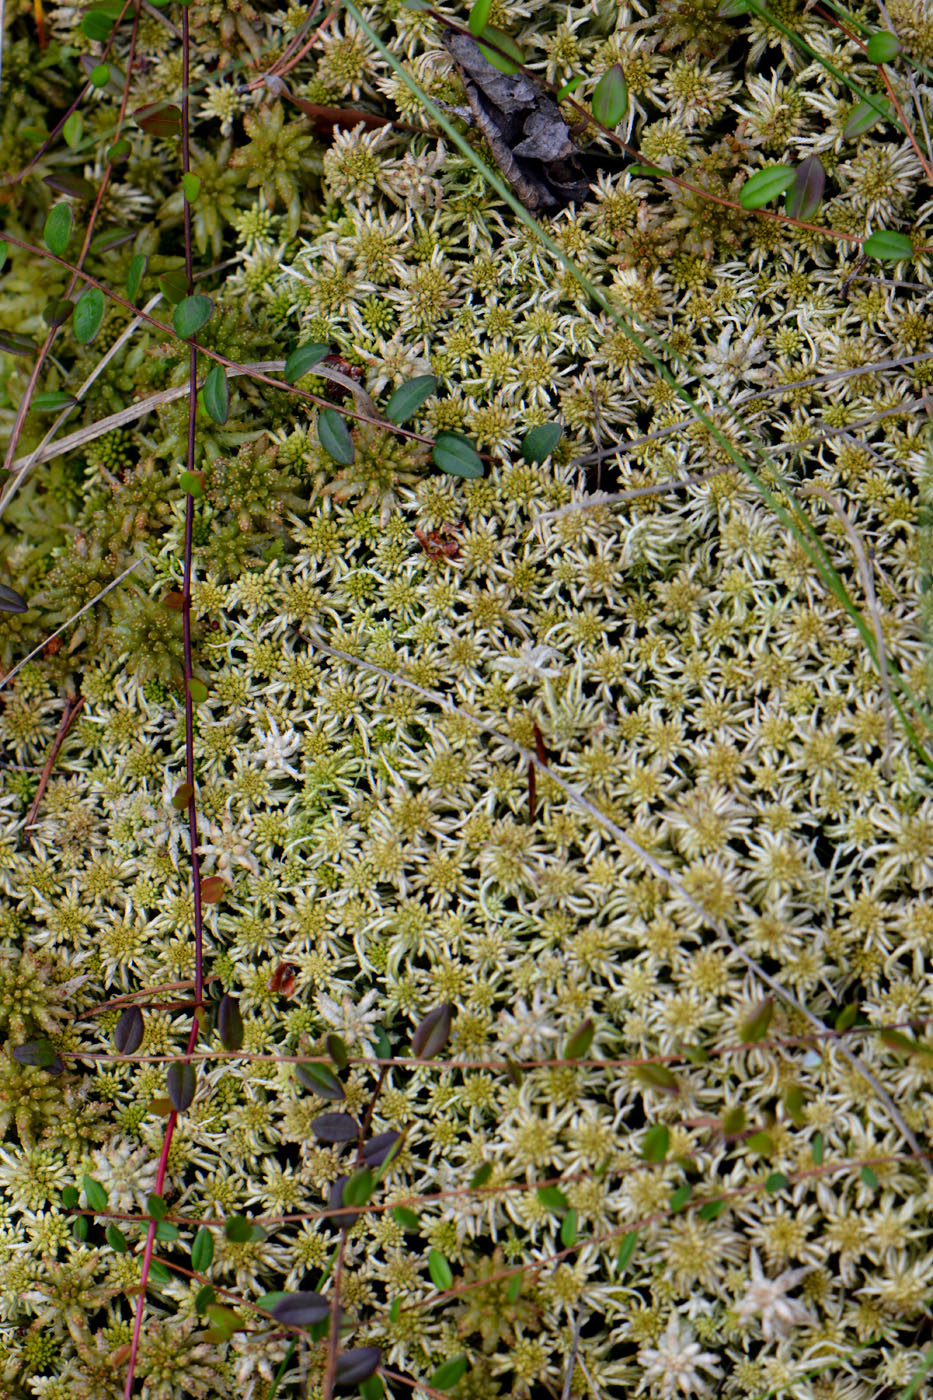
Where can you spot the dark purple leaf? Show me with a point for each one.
(336, 1127)
(355, 1366)
(74, 185)
(128, 1035)
(39, 1053)
(377, 1149)
(230, 1022)
(302, 1309)
(432, 1032)
(335, 1198)
(181, 1083)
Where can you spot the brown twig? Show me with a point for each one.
(72, 709)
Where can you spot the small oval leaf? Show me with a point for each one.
(52, 402)
(378, 1148)
(481, 1176)
(11, 601)
(181, 1083)
(191, 314)
(656, 1077)
(766, 185)
(335, 1127)
(88, 314)
(116, 1239)
(185, 791)
(238, 1229)
(579, 1042)
(479, 16)
(73, 130)
(568, 1229)
(408, 398)
(159, 119)
(610, 97)
(335, 437)
(337, 1051)
(756, 1026)
(432, 1032)
(882, 47)
(803, 197)
(552, 1197)
(135, 276)
(320, 1080)
(202, 1250)
(303, 359)
(96, 1195)
(406, 1218)
(213, 888)
(358, 1188)
(129, 1030)
(457, 456)
(441, 1273)
(539, 442)
(357, 1365)
(156, 1207)
(888, 246)
(230, 1023)
(866, 115)
(510, 59)
(626, 1250)
(202, 1298)
(447, 1375)
(657, 1140)
(216, 393)
(301, 1309)
(58, 226)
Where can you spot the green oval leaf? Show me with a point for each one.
(887, 246)
(191, 314)
(775, 1182)
(135, 276)
(882, 47)
(481, 1176)
(609, 102)
(408, 398)
(710, 1209)
(119, 150)
(406, 1218)
(766, 185)
(52, 402)
(868, 1176)
(626, 1250)
(337, 1051)
(174, 285)
(156, 1207)
(80, 1228)
(756, 1026)
(202, 1298)
(539, 442)
(115, 1238)
(656, 1077)
(570, 88)
(579, 1042)
(97, 26)
(96, 1195)
(181, 1082)
(816, 1149)
(165, 1230)
(217, 395)
(193, 484)
(479, 17)
(73, 130)
(760, 1143)
(202, 1250)
(88, 314)
(58, 226)
(510, 59)
(191, 186)
(303, 359)
(657, 1140)
(69, 1197)
(866, 115)
(457, 456)
(447, 1376)
(803, 197)
(441, 1273)
(552, 1197)
(335, 437)
(238, 1229)
(320, 1080)
(568, 1229)
(358, 1189)
(99, 75)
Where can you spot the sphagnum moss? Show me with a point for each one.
(682, 667)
